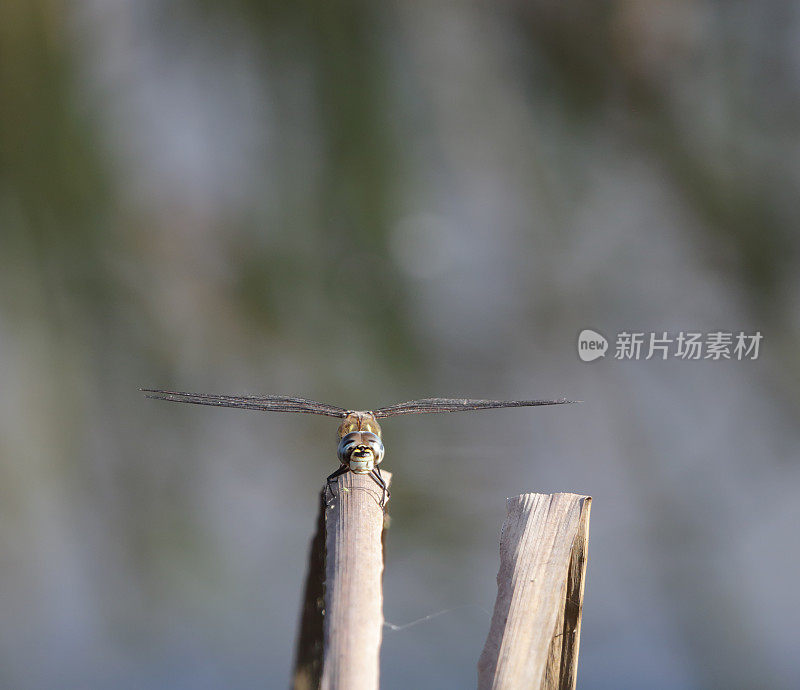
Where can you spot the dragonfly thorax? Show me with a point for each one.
(359, 421)
(361, 451)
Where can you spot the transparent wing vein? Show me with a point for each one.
(429, 405)
(264, 403)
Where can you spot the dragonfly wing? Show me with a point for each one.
(427, 405)
(266, 403)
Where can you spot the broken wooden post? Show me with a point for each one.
(535, 630)
(342, 619)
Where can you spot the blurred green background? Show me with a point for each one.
(364, 203)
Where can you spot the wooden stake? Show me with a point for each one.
(339, 646)
(308, 654)
(535, 631)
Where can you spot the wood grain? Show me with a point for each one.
(534, 635)
(353, 593)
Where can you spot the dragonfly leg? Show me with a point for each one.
(376, 475)
(333, 475)
(386, 488)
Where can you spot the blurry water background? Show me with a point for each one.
(364, 203)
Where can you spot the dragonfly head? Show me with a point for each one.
(361, 451)
(359, 421)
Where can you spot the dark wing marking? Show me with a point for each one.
(458, 405)
(266, 403)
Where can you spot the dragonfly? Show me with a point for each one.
(360, 449)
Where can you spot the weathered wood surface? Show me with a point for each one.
(342, 618)
(535, 630)
(308, 653)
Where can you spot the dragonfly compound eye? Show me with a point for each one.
(347, 445)
(377, 448)
(362, 448)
